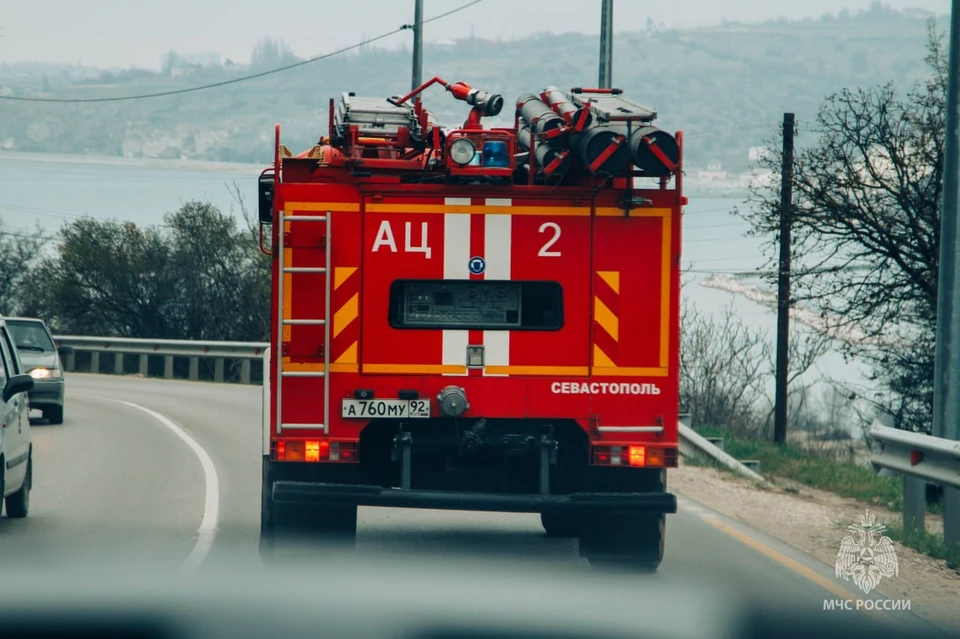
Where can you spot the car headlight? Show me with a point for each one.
(45, 373)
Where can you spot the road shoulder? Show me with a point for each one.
(815, 522)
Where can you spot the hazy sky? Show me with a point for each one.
(138, 32)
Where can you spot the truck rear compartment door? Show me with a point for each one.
(442, 276)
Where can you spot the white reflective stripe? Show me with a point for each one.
(456, 257)
(499, 201)
(267, 375)
(456, 246)
(497, 248)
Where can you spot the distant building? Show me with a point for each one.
(201, 59)
(714, 171)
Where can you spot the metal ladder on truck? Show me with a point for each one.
(290, 321)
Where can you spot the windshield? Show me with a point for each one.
(31, 336)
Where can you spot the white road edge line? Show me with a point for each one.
(211, 505)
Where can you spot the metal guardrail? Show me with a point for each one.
(926, 457)
(691, 443)
(168, 349)
(921, 459)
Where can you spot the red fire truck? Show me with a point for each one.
(476, 318)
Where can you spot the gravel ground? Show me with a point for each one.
(815, 521)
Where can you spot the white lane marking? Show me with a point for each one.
(497, 249)
(456, 258)
(211, 505)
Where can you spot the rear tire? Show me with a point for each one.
(560, 525)
(18, 504)
(266, 522)
(294, 529)
(633, 542)
(54, 414)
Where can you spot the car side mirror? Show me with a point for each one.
(265, 189)
(65, 351)
(17, 384)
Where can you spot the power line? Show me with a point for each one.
(247, 77)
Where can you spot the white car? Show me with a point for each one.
(16, 443)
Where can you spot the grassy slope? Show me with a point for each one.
(843, 478)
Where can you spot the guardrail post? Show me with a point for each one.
(118, 363)
(245, 371)
(194, 369)
(71, 361)
(951, 515)
(94, 362)
(144, 368)
(168, 366)
(218, 369)
(914, 504)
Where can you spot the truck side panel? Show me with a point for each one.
(475, 239)
(635, 262)
(304, 298)
(552, 243)
(401, 241)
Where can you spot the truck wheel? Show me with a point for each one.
(624, 542)
(266, 525)
(559, 525)
(18, 504)
(54, 414)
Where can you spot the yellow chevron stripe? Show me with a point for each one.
(341, 274)
(349, 356)
(606, 319)
(600, 358)
(612, 278)
(346, 314)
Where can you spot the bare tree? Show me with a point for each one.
(722, 365)
(866, 226)
(804, 350)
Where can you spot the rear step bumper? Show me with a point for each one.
(307, 493)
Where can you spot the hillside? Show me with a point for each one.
(725, 87)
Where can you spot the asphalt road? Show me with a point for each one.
(114, 478)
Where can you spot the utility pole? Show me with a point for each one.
(606, 45)
(946, 389)
(783, 282)
(416, 80)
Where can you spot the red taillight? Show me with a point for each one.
(314, 450)
(637, 455)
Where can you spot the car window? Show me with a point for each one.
(12, 356)
(5, 361)
(31, 336)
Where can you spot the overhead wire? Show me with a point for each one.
(246, 78)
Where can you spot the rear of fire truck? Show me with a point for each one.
(476, 318)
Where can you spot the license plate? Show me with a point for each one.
(386, 408)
